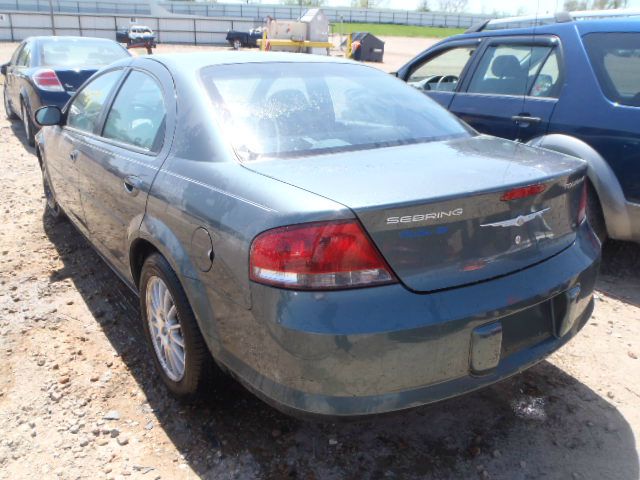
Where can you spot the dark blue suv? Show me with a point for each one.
(560, 83)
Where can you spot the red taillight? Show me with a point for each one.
(582, 208)
(321, 255)
(47, 80)
(522, 192)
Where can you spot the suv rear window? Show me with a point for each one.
(615, 58)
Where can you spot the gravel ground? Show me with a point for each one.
(79, 397)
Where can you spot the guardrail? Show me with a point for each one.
(16, 26)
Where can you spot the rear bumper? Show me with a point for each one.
(382, 349)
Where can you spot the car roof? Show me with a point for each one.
(627, 24)
(197, 60)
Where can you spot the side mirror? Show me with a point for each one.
(3, 68)
(48, 116)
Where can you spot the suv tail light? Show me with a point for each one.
(322, 255)
(46, 79)
(582, 208)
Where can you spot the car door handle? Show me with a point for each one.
(525, 119)
(73, 155)
(132, 185)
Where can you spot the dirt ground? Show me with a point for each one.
(79, 397)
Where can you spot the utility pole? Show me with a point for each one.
(53, 24)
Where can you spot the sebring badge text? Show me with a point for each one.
(424, 217)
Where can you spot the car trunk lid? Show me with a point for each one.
(73, 78)
(438, 212)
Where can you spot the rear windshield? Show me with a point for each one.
(76, 53)
(616, 60)
(293, 109)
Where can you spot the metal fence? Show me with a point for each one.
(246, 11)
(351, 15)
(76, 6)
(16, 26)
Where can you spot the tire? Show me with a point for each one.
(8, 111)
(29, 128)
(595, 215)
(237, 44)
(52, 207)
(162, 334)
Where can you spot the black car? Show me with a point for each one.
(48, 70)
(244, 39)
(137, 36)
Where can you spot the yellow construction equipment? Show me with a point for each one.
(266, 43)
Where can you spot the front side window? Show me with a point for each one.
(16, 54)
(24, 58)
(294, 109)
(507, 69)
(84, 111)
(615, 58)
(443, 72)
(137, 116)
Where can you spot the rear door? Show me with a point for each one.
(493, 99)
(438, 72)
(119, 165)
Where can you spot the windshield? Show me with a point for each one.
(293, 109)
(75, 53)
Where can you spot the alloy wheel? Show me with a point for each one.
(165, 328)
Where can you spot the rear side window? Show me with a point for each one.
(615, 58)
(508, 69)
(84, 111)
(137, 116)
(547, 83)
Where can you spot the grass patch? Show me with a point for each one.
(390, 30)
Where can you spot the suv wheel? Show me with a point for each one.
(178, 349)
(28, 125)
(8, 111)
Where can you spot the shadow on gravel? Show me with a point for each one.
(18, 130)
(540, 424)
(620, 271)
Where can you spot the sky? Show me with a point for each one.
(510, 7)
